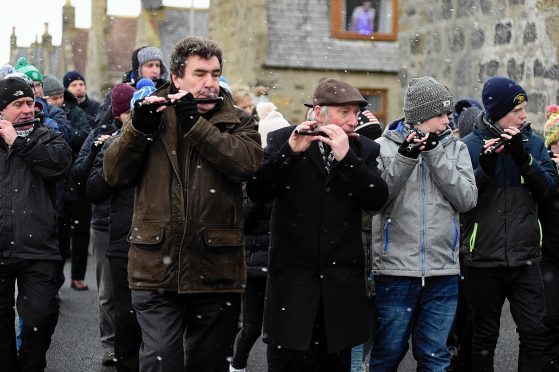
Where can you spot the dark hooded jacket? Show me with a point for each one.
(503, 229)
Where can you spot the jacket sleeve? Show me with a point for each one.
(278, 163)
(124, 158)
(64, 126)
(47, 153)
(84, 160)
(540, 175)
(455, 181)
(363, 179)
(97, 189)
(395, 172)
(236, 154)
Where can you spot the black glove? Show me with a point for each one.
(431, 142)
(488, 162)
(146, 119)
(187, 111)
(516, 148)
(96, 146)
(409, 150)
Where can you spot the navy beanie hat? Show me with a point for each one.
(71, 76)
(500, 95)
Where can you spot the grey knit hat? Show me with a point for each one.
(52, 86)
(426, 98)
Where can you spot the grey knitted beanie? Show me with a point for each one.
(52, 86)
(426, 98)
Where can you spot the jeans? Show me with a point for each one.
(404, 308)
(523, 286)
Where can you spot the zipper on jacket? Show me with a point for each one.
(541, 232)
(423, 217)
(455, 242)
(386, 233)
(185, 211)
(473, 238)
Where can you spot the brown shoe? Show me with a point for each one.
(79, 285)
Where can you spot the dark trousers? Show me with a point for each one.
(253, 312)
(460, 338)
(316, 359)
(128, 335)
(523, 287)
(73, 235)
(210, 321)
(38, 308)
(550, 274)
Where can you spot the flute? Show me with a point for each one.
(504, 141)
(27, 122)
(199, 101)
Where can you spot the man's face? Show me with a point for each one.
(437, 124)
(77, 88)
(22, 109)
(151, 70)
(201, 78)
(514, 118)
(56, 99)
(344, 116)
(38, 89)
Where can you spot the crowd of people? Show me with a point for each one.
(213, 221)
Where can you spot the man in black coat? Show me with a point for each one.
(316, 301)
(32, 159)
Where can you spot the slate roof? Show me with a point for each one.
(299, 36)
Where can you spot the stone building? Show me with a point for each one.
(464, 42)
(109, 57)
(289, 46)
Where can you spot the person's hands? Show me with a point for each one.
(337, 139)
(186, 109)
(488, 157)
(431, 141)
(7, 132)
(147, 118)
(516, 147)
(300, 143)
(411, 147)
(98, 143)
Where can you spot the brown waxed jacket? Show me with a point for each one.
(192, 245)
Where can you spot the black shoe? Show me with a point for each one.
(109, 359)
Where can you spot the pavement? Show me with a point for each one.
(76, 347)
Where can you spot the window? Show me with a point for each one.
(377, 103)
(365, 19)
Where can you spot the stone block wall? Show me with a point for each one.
(464, 42)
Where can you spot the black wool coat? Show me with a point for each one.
(316, 253)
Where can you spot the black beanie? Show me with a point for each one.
(72, 76)
(13, 88)
(500, 95)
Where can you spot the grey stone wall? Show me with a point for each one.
(464, 42)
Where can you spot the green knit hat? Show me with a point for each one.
(23, 66)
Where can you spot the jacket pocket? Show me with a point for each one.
(222, 261)
(473, 238)
(147, 263)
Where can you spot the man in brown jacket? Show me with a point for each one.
(186, 262)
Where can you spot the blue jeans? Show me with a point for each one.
(404, 308)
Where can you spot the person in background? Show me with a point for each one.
(257, 241)
(243, 98)
(127, 333)
(316, 305)
(74, 83)
(501, 235)
(33, 159)
(548, 214)
(363, 18)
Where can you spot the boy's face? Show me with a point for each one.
(514, 118)
(437, 124)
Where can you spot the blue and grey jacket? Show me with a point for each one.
(417, 232)
(503, 230)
